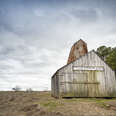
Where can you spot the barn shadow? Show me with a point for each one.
(89, 97)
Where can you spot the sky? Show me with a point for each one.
(36, 37)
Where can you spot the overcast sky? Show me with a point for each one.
(36, 36)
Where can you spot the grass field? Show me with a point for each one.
(42, 104)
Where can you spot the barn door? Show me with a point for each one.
(93, 84)
(85, 84)
(80, 84)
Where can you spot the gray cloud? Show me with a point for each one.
(36, 36)
(86, 15)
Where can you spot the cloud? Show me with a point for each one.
(86, 15)
(36, 37)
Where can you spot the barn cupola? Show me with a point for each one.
(78, 49)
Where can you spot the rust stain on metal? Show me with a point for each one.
(78, 49)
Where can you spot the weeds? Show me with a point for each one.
(49, 105)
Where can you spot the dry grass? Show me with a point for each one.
(42, 104)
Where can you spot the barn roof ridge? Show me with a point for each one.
(81, 57)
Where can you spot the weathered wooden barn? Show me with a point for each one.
(87, 76)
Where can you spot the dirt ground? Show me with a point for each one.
(42, 104)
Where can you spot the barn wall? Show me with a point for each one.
(55, 86)
(52, 86)
(108, 82)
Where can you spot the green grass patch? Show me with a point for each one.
(80, 100)
(101, 102)
(51, 105)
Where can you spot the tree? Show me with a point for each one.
(17, 88)
(103, 51)
(111, 59)
(108, 54)
(29, 90)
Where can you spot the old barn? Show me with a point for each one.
(87, 75)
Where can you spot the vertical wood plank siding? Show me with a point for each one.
(69, 82)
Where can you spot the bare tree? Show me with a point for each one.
(29, 90)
